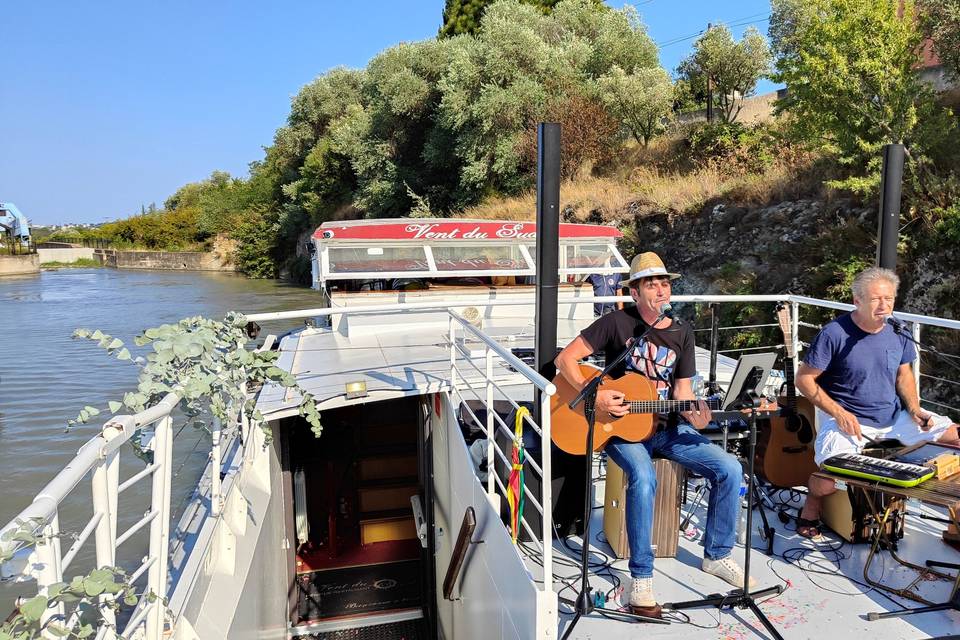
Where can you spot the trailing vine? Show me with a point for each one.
(206, 363)
(82, 593)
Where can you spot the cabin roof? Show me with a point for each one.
(430, 248)
(463, 230)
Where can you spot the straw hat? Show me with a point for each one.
(646, 265)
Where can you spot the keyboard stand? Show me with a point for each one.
(937, 492)
(953, 603)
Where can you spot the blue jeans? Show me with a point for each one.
(692, 450)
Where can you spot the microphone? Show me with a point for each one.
(666, 311)
(895, 323)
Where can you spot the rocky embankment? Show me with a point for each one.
(808, 247)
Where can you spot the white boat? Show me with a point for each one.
(417, 359)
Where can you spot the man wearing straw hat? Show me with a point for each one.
(667, 357)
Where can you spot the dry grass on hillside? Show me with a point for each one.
(585, 195)
(639, 186)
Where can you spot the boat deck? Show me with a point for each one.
(408, 357)
(824, 593)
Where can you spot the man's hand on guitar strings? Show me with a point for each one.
(611, 403)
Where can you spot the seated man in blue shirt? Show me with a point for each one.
(858, 373)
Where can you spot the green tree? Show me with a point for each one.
(394, 140)
(464, 16)
(523, 65)
(218, 203)
(852, 85)
(642, 101)
(734, 67)
(940, 20)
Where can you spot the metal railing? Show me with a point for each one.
(100, 459)
(481, 375)
(490, 391)
(10, 247)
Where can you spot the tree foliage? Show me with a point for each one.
(850, 69)
(734, 67)
(464, 16)
(940, 20)
(643, 101)
(521, 66)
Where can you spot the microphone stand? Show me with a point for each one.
(588, 395)
(901, 330)
(748, 400)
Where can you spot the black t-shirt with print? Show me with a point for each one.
(662, 356)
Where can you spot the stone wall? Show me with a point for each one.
(173, 260)
(66, 254)
(18, 265)
(755, 109)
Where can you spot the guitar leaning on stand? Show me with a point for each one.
(785, 449)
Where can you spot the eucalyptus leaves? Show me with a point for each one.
(82, 593)
(204, 361)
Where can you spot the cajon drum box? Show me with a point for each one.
(666, 509)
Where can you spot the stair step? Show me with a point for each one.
(386, 494)
(375, 450)
(388, 524)
(374, 434)
(385, 483)
(385, 514)
(388, 466)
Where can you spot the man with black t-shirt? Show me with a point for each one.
(667, 357)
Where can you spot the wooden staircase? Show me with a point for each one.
(387, 474)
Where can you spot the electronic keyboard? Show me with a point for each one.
(900, 474)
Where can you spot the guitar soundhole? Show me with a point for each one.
(794, 423)
(805, 432)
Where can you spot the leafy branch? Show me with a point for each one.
(82, 593)
(206, 363)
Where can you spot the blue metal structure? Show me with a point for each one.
(14, 222)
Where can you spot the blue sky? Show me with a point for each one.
(108, 105)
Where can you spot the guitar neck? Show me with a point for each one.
(666, 406)
(786, 326)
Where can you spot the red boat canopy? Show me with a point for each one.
(444, 248)
(465, 230)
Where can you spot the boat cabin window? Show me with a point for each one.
(397, 255)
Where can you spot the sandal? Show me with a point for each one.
(810, 529)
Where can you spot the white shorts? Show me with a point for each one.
(832, 441)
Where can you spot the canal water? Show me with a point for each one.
(46, 377)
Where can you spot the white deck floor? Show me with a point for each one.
(827, 604)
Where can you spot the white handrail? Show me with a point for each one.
(99, 457)
(546, 598)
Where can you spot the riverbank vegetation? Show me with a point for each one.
(446, 127)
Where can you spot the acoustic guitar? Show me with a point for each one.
(785, 447)
(569, 426)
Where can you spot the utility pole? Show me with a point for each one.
(709, 88)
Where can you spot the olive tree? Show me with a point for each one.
(850, 67)
(642, 101)
(733, 67)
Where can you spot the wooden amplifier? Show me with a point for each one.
(666, 509)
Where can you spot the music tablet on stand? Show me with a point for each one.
(745, 365)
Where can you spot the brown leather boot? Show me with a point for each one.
(642, 602)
